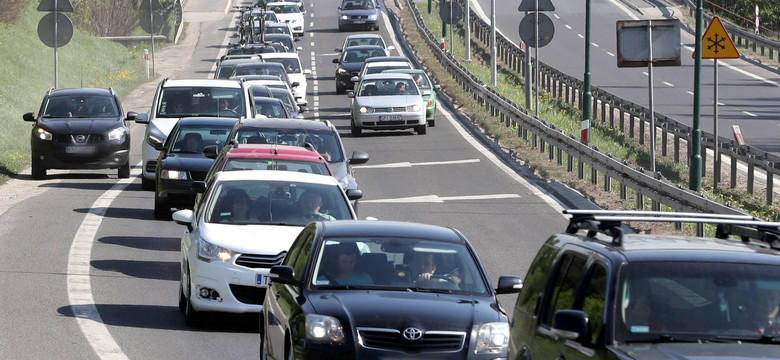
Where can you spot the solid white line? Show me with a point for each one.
(645, 73)
(408, 164)
(437, 199)
(625, 9)
(80, 297)
(749, 114)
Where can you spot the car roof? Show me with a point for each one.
(276, 176)
(207, 120)
(398, 229)
(203, 83)
(280, 55)
(81, 91)
(266, 99)
(274, 151)
(385, 63)
(285, 124)
(364, 35)
(388, 58)
(259, 64)
(385, 75)
(364, 47)
(404, 71)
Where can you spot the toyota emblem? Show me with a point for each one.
(413, 334)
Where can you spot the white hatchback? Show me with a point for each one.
(244, 223)
(296, 73)
(289, 12)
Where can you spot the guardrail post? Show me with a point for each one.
(594, 176)
(607, 183)
(656, 205)
(733, 179)
(640, 201)
(631, 126)
(611, 116)
(559, 154)
(580, 169)
(703, 152)
(569, 163)
(699, 229)
(542, 146)
(623, 192)
(642, 129)
(676, 149)
(751, 173)
(622, 120)
(770, 182)
(664, 141)
(534, 140)
(551, 151)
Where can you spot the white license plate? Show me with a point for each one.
(390, 118)
(359, 21)
(79, 149)
(262, 280)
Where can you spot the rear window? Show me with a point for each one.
(201, 101)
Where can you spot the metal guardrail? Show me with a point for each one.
(633, 119)
(548, 139)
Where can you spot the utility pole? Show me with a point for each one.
(587, 97)
(695, 161)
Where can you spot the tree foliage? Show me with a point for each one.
(105, 17)
(742, 12)
(10, 10)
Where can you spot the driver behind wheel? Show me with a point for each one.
(422, 272)
(309, 205)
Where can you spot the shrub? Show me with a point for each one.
(11, 10)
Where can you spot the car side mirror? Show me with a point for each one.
(571, 325)
(155, 142)
(391, 47)
(198, 187)
(335, 61)
(436, 87)
(307, 71)
(142, 118)
(295, 84)
(338, 49)
(282, 274)
(350, 94)
(358, 157)
(210, 151)
(355, 79)
(302, 109)
(183, 217)
(28, 116)
(132, 115)
(354, 194)
(509, 285)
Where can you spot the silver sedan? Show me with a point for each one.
(387, 101)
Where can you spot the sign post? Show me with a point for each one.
(55, 29)
(717, 45)
(536, 31)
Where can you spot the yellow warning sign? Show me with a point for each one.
(716, 43)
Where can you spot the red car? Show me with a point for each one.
(266, 157)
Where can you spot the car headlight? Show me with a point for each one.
(344, 17)
(492, 338)
(413, 108)
(173, 175)
(117, 134)
(372, 17)
(366, 110)
(341, 71)
(43, 134)
(324, 328)
(209, 252)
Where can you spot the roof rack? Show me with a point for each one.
(609, 222)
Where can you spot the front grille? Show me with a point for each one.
(151, 166)
(255, 261)
(399, 109)
(358, 17)
(248, 294)
(390, 109)
(393, 340)
(71, 139)
(198, 175)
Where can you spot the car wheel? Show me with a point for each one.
(356, 131)
(162, 210)
(124, 170)
(341, 28)
(182, 298)
(191, 316)
(263, 346)
(431, 122)
(147, 184)
(421, 129)
(38, 172)
(340, 89)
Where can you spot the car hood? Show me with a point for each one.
(80, 126)
(164, 124)
(283, 17)
(251, 239)
(388, 101)
(403, 309)
(352, 67)
(190, 162)
(359, 12)
(698, 351)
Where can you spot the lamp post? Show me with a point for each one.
(587, 97)
(695, 160)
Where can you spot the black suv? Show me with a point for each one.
(607, 293)
(80, 128)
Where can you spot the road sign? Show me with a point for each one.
(450, 16)
(62, 6)
(530, 5)
(46, 29)
(147, 22)
(528, 29)
(716, 43)
(155, 4)
(633, 47)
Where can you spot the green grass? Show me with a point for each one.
(28, 72)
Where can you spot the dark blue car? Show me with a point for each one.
(358, 14)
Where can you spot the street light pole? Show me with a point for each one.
(695, 160)
(493, 75)
(587, 97)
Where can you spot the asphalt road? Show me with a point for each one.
(748, 94)
(89, 273)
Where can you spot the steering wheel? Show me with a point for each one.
(443, 278)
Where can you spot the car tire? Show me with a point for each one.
(191, 316)
(124, 170)
(340, 90)
(341, 28)
(162, 210)
(356, 131)
(147, 184)
(38, 172)
(182, 299)
(432, 122)
(421, 129)
(263, 346)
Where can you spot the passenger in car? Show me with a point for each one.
(309, 205)
(766, 305)
(238, 208)
(341, 268)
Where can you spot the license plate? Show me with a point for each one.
(79, 149)
(359, 21)
(262, 280)
(390, 118)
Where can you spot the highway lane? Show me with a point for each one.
(133, 260)
(746, 101)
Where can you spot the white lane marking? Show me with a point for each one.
(328, 54)
(749, 114)
(556, 16)
(311, 43)
(80, 297)
(645, 72)
(580, 35)
(568, 27)
(311, 24)
(668, 84)
(690, 93)
(610, 54)
(408, 164)
(595, 45)
(743, 72)
(721, 104)
(438, 199)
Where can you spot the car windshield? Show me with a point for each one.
(666, 300)
(292, 65)
(275, 203)
(200, 101)
(360, 55)
(80, 106)
(285, 40)
(395, 263)
(261, 69)
(324, 141)
(192, 139)
(364, 41)
(284, 9)
(277, 29)
(313, 167)
(286, 99)
(270, 107)
(357, 5)
(379, 68)
(387, 87)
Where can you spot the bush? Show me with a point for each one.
(105, 17)
(11, 10)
